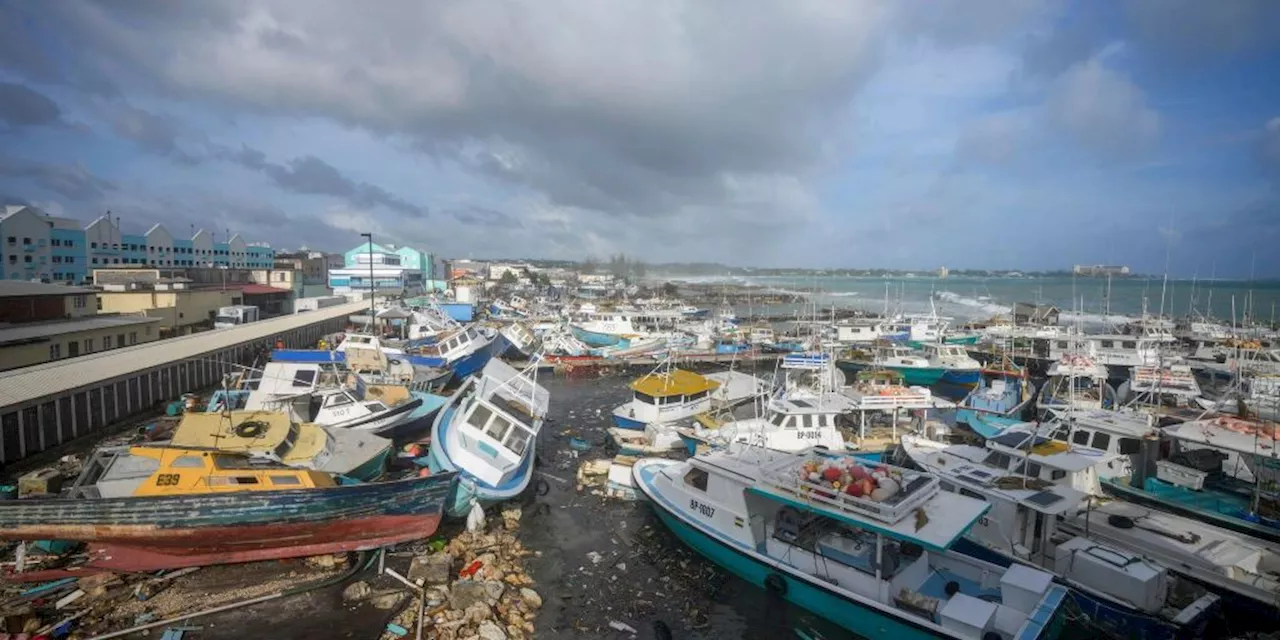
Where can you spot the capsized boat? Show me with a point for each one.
(271, 435)
(864, 546)
(147, 508)
(331, 396)
(516, 341)
(1121, 593)
(1002, 399)
(488, 433)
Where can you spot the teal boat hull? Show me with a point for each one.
(373, 468)
(915, 376)
(837, 608)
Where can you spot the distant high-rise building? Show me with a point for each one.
(943, 272)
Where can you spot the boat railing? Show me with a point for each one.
(917, 489)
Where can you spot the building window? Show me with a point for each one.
(79, 302)
(133, 337)
(88, 345)
(13, 258)
(68, 243)
(116, 261)
(13, 240)
(148, 330)
(93, 245)
(106, 342)
(26, 259)
(73, 349)
(69, 259)
(120, 339)
(55, 352)
(57, 242)
(95, 261)
(26, 241)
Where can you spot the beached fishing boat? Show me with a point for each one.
(143, 509)
(375, 362)
(1120, 592)
(959, 368)
(1002, 398)
(516, 341)
(1222, 470)
(464, 350)
(488, 433)
(271, 435)
(332, 396)
(666, 394)
(1242, 570)
(865, 546)
(915, 369)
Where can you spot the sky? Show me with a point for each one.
(804, 133)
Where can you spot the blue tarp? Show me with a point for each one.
(460, 311)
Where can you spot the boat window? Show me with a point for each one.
(1060, 434)
(972, 494)
(291, 481)
(998, 459)
(1032, 470)
(697, 396)
(498, 428)
(337, 400)
(947, 486)
(778, 418)
(696, 478)
(1057, 474)
(1062, 344)
(1130, 446)
(479, 416)
(375, 406)
(645, 398)
(1129, 344)
(517, 441)
(1107, 344)
(1101, 440)
(1080, 437)
(304, 378)
(188, 462)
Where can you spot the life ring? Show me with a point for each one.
(393, 362)
(775, 584)
(251, 428)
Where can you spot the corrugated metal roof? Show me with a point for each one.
(32, 383)
(29, 331)
(27, 288)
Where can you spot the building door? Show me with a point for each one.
(73, 348)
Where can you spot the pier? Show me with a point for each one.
(49, 404)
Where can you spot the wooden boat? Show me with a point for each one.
(271, 435)
(148, 508)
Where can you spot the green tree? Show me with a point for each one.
(508, 277)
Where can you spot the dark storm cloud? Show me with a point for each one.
(72, 181)
(22, 106)
(309, 175)
(154, 133)
(635, 109)
(482, 216)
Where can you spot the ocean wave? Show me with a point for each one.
(975, 303)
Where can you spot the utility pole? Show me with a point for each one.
(372, 314)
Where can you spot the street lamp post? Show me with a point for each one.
(372, 314)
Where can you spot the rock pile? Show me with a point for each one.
(475, 587)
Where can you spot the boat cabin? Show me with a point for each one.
(498, 421)
(118, 472)
(858, 331)
(458, 344)
(949, 355)
(670, 395)
(1119, 350)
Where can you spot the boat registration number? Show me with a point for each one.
(166, 480)
(704, 509)
(808, 435)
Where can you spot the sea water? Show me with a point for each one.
(971, 298)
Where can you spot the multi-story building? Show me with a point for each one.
(394, 270)
(1098, 270)
(37, 246)
(44, 322)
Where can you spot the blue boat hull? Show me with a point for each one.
(959, 377)
(985, 423)
(1224, 510)
(595, 338)
(471, 363)
(623, 422)
(470, 489)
